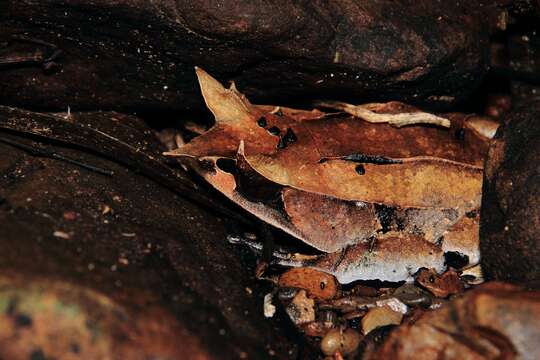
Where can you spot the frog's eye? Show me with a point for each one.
(460, 134)
(431, 279)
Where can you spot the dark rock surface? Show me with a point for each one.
(139, 55)
(118, 266)
(510, 218)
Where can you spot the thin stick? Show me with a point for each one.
(50, 153)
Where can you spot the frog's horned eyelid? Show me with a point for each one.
(227, 105)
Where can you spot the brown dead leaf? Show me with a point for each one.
(443, 285)
(319, 285)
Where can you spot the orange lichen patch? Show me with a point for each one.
(318, 284)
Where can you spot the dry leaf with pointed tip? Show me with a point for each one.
(381, 202)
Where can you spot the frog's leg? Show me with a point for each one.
(278, 255)
(267, 250)
(365, 113)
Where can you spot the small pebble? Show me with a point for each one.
(378, 317)
(268, 308)
(413, 296)
(61, 234)
(301, 310)
(339, 340)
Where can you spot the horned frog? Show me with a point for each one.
(379, 201)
